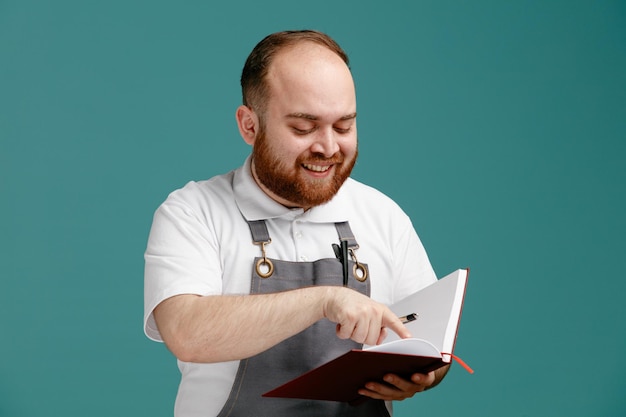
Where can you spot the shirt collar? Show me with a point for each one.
(254, 204)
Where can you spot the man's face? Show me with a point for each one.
(306, 146)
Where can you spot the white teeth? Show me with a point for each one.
(317, 168)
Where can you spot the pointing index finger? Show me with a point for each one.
(394, 323)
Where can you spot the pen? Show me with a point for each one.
(344, 261)
(341, 252)
(408, 318)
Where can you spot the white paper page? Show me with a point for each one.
(412, 346)
(438, 307)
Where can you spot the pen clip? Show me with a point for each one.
(344, 262)
(341, 252)
(337, 251)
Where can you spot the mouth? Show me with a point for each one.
(317, 168)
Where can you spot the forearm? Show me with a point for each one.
(222, 328)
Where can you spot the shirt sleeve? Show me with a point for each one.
(181, 258)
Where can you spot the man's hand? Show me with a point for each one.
(360, 318)
(396, 388)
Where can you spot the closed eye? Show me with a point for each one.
(303, 132)
(344, 126)
(343, 131)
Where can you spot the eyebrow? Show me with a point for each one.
(313, 117)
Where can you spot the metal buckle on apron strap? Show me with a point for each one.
(264, 266)
(359, 271)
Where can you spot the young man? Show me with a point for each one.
(242, 282)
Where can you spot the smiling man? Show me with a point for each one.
(241, 280)
(304, 140)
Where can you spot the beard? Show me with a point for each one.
(287, 181)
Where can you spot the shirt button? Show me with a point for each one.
(304, 258)
(298, 235)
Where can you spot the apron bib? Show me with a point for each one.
(302, 352)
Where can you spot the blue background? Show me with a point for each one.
(500, 128)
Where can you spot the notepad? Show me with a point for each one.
(438, 308)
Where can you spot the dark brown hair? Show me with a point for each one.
(253, 83)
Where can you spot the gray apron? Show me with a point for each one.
(302, 352)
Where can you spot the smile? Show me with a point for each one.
(317, 168)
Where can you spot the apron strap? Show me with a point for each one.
(258, 228)
(259, 232)
(345, 233)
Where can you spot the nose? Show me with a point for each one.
(326, 142)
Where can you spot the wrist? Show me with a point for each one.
(325, 299)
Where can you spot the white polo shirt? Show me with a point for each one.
(201, 244)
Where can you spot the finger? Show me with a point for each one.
(381, 392)
(404, 385)
(382, 336)
(391, 321)
(424, 379)
(390, 391)
(344, 331)
(373, 331)
(375, 394)
(360, 334)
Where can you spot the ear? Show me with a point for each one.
(248, 123)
